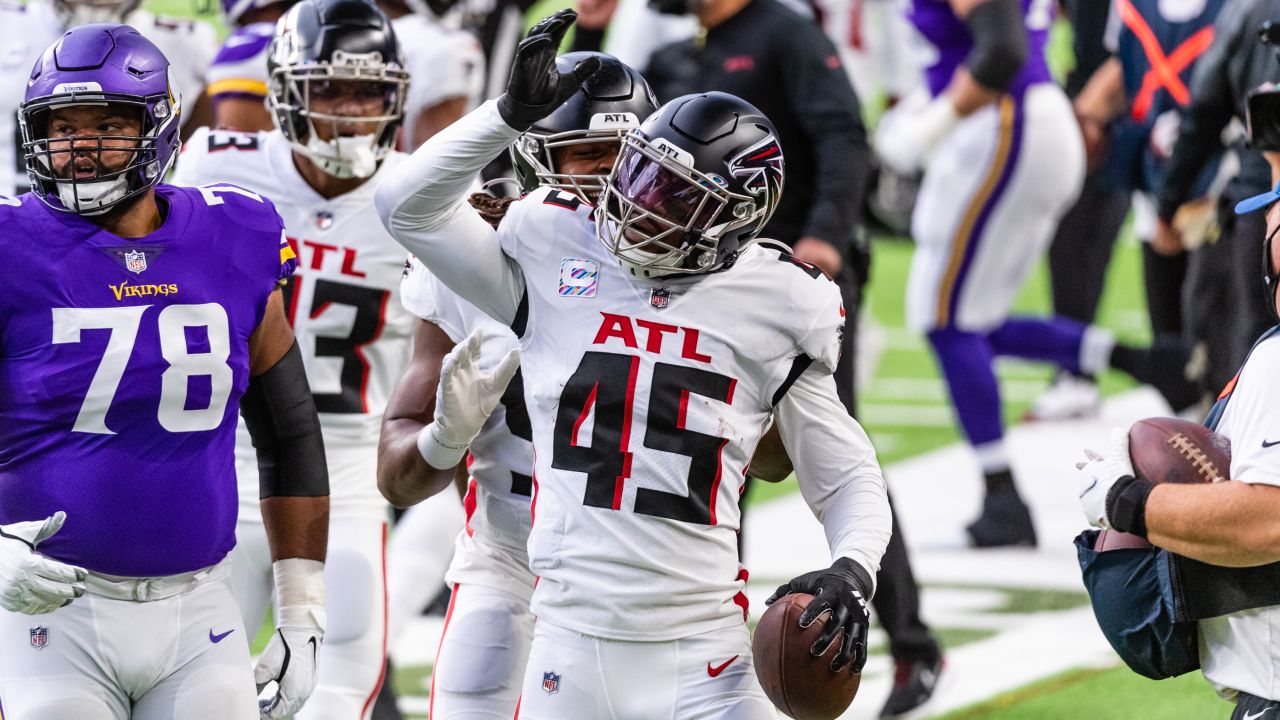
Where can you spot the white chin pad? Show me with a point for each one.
(346, 156)
(87, 197)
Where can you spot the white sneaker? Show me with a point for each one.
(1069, 397)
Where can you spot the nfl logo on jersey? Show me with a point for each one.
(659, 298)
(135, 261)
(550, 682)
(40, 638)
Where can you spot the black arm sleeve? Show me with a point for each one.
(1211, 108)
(281, 416)
(829, 114)
(999, 43)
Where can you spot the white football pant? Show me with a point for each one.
(482, 657)
(182, 657)
(703, 677)
(990, 202)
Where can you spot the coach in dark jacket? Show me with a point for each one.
(1235, 64)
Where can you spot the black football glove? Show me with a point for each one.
(843, 589)
(535, 87)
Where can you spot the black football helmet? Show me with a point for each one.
(693, 185)
(613, 101)
(337, 48)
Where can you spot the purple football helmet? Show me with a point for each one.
(97, 65)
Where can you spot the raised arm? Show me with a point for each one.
(422, 202)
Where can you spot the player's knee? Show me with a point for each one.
(483, 656)
(353, 588)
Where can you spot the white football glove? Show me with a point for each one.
(1100, 473)
(29, 582)
(290, 658)
(464, 400)
(907, 137)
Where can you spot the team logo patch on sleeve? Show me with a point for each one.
(550, 682)
(579, 278)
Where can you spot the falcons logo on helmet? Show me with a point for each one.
(760, 167)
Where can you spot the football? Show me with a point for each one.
(800, 685)
(1178, 451)
(1166, 449)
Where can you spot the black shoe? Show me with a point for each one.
(1005, 521)
(913, 684)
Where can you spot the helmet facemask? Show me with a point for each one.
(661, 216)
(537, 151)
(361, 80)
(52, 162)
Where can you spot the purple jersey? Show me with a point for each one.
(952, 42)
(122, 363)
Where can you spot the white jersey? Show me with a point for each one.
(1241, 651)
(491, 548)
(343, 303)
(443, 64)
(646, 398)
(26, 30)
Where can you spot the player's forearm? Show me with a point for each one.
(1232, 524)
(837, 470)
(422, 203)
(404, 477)
(297, 527)
(1102, 98)
(419, 192)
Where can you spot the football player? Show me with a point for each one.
(26, 29)
(488, 627)
(158, 314)
(447, 67)
(657, 343)
(1003, 160)
(337, 89)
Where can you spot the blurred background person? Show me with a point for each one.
(1081, 247)
(1236, 63)
(26, 29)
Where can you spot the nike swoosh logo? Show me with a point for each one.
(215, 639)
(1092, 485)
(1266, 444)
(715, 671)
(1264, 711)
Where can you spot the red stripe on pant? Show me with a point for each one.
(435, 669)
(382, 673)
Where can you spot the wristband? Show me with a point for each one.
(299, 593)
(1127, 505)
(439, 454)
